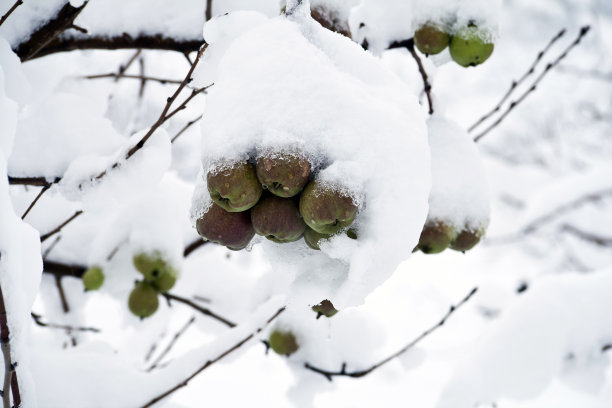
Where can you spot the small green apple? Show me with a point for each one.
(283, 174)
(234, 187)
(325, 308)
(93, 278)
(283, 342)
(471, 46)
(155, 270)
(326, 209)
(143, 301)
(430, 39)
(231, 229)
(436, 236)
(467, 239)
(277, 219)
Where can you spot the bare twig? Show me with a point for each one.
(141, 78)
(124, 67)
(61, 269)
(208, 9)
(205, 311)
(164, 116)
(38, 319)
(587, 236)
(57, 229)
(33, 203)
(10, 374)
(168, 348)
(360, 373)
(62, 294)
(51, 246)
(10, 11)
(49, 31)
(518, 82)
(187, 126)
(409, 45)
(583, 31)
(209, 363)
(32, 181)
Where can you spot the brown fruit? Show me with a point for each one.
(277, 219)
(283, 174)
(235, 187)
(231, 229)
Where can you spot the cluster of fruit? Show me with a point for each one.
(438, 235)
(159, 277)
(278, 197)
(468, 46)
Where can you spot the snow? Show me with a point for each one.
(327, 99)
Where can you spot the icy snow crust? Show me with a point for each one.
(309, 89)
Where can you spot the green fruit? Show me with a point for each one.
(283, 342)
(231, 229)
(326, 209)
(430, 39)
(143, 301)
(277, 219)
(325, 308)
(156, 270)
(234, 188)
(467, 239)
(436, 237)
(284, 175)
(313, 238)
(93, 278)
(471, 46)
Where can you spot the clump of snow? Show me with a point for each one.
(459, 193)
(341, 107)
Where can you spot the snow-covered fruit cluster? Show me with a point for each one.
(468, 46)
(158, 277)
(437, 235)
(276, 196)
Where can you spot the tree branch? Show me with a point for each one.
(57, 229)
(205, 311)
(33, 203)
(10, 11)
(49, 31)
(10, 375)
(38, 319)
(209, 363)
(150, 42)
(32, 181)
(187, 126)
(361, 373)
(168, 348)
(409, 45)
(145, 78)
(583, 31)
(515, 84)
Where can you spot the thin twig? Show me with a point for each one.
(10, 11)
(205, 311)
(57, 229)
(143, 81)
(518, 82)
(409, 45)
(187, 126)
(38, 319)
(583, 31)
(360, 373)
(124, 67)
(10, 374)
(168, 348)
(51, 246)
(193, 246)
(164, 116)
(62, 294)
(33, 203)
(208, 9)
(141, 78)
(225, 353)
(587, 236)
